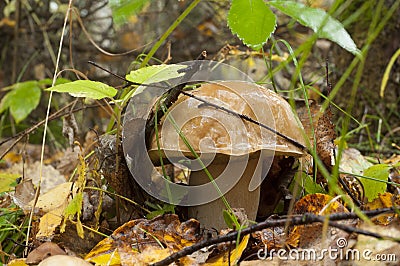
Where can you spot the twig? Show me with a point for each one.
(307, 218)
(63, 111)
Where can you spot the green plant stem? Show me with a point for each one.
(203, 166)
(168, 32)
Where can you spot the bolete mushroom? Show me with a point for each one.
(237, 143)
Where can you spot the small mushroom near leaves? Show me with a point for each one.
(236, 152)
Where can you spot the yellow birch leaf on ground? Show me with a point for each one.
(54, 198)
(234, 255)
(50, 221)
(104, 254)
(51, 206)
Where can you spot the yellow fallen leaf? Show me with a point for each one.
(49, 222)
(234, 255)
(17, 262)
(54, 198)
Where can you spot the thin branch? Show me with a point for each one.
(307, 218)
(63, 111)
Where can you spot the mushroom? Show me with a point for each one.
(236, 152)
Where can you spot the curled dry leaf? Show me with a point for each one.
(158, 238)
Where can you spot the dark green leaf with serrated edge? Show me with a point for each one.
(319, 21)
(86, 88)
(252, 21)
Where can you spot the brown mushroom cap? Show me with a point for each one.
(214, 131)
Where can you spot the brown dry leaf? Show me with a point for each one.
(324, 132)
(325, 135)
(385, 200)
(24, 193)
(44, 251)
(129, 241)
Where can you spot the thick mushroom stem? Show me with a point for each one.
(210, 215)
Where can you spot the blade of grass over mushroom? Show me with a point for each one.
(86, 88)
(252, 21)
(197, 157)
(319, 165)
(305, 95)
(319, 21)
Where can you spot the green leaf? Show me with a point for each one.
(123, 9)
(23, 99)
(86, 88)
(229, 219)
(7, 181)
(252, 21)
(374, 181)
(5, 101)
(154, 74)
(319, 21)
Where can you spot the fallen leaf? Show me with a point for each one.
(320, 204)
(380, 174)
(234, 255)
(161, 235)
(385, 200)
(24, 193)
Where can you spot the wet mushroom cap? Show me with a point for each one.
(214, 131)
